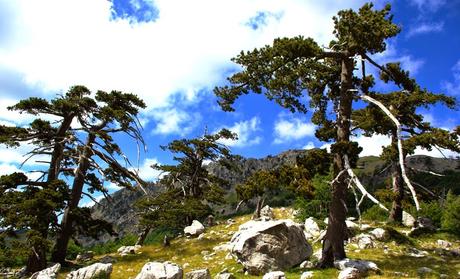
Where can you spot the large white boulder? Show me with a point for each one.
(350, 273)
(97, 270)
(263, 246)
(48, 273)
(364, 267)
(378, 233)
(195, 229)
(126, 250)
(307, 275)
(157, 270)
(407, 219)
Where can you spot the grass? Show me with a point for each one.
(189, 253)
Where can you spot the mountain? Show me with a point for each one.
(120, 211)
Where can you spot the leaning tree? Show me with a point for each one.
(293, 67)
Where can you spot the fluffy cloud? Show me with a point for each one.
(174, 121)
(372, 146)
(423, 28)
(245, 131)
(54, 44)
(310, 145)
(146, 172)
(287, 130)
(427, 6)
(453, 88)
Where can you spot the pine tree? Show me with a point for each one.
(292, 67)
(189, 187)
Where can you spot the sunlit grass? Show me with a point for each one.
(190, 254)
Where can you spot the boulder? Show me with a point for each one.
(414, 252)
(107, 259)
(267, 212)
(97, 270)
(48, 273)
(423, 271)
(364, 241)
(126, 250)
(307, 275)
(225, 275)
(407, 219)
(274, 275)
(311, 228)
(157, 270)
(378, 233)
(195, 229)
(85, 256)
(198, 274)
(306, 264)
(364, 267)
(350, 273)
(262, 246)
(443, 243)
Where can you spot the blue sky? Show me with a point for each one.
(173, 53)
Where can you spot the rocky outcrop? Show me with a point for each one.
(86, 256)
(307, 275)
(267, 212)
(198, 274)
(94, 271)
(263, 246)
(407, 219)
(364, 267)
(157, 270)
(49, 273)
(126, 250)
(195, 229)
(311, 228)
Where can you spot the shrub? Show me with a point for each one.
(432, 210)
(375, 213)
(318, 206)
(73, 250)
(451, 217)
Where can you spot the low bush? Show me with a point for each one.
(375, 214)
(451, 217)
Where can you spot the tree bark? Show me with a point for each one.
(259, 205)
(333, 246)
(398, 188)
(37, 258)
(142, 236)
(64, 235)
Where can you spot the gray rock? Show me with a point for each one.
(97, 270)
(274, 275)
(364, 241)
(311, 228)
(424, 271)
(407, 219)
(414, 252)
(225, 275)
(86, 256)
(423, 225)
(443, 243)
(272, 245)
(350, 273)
(195, 229)
(378, 233)
(126, 250)
(307, 275)
(48, 273)
(306, 264)
(364, 267)
(157, 270)
(107, 259)
(267, 212)
(198, 274)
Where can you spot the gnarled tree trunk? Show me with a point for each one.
(398, 188)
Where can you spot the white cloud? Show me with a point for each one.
(245, 131)
(372, 146)
(453, 88)
(146, 172)
(287, 130)
(423, 28)
(441, 153)
(174, 121)
(310, 145)
(55, 44)
(427, 6)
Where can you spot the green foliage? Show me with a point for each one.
(396, 236)
(259, 184)
(375, 214)
(73, 250)
(432, 210)
(112, 246)
(318, 205)
(451, 216)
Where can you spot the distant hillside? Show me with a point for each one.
(371, 169)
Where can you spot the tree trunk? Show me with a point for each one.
(37, 258)
(398, 188)
(259, 205)
(333, 246)
(64, 235)
(142, 235)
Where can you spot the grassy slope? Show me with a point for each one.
(185, 251)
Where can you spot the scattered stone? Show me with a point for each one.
(126, 250)
(400, 274)
(443, 243)
(48, 273)
(225, 275)
(443, 276)
(210, 220)
(364, 241)
(97, 270)
(350, 273)
(274, 275)
(223, 247)
(195, 229)
(311, 228)
(267, 212)
(306, 264)
(365, 227)
(85, 256)
(414, 252)
(157, 270)
(317, 255)
(228, 256)
(407, 219)
(201, 236)
(322, 234)
(107, 259)
(198, 274)
(307, 275)
(378, 233)
(272, 245)
(424, 271)
(364, 267)
(352, 225)
(230, 221)
(423, 225)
